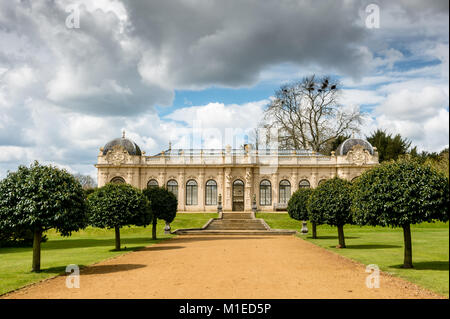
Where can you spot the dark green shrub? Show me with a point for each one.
(118, 205)
(297, 205)
(163, 204)
(399, 194)
(39, 198)
(330, 204)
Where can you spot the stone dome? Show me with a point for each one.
(348, 144)
(131, 147)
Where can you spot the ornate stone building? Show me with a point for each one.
(239, 176)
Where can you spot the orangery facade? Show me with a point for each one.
(236, 178)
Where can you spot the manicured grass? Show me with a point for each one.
(83, 248)
(384, 247)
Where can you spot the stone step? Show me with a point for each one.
(256, 227)
(236, 224)
(236, 232)
(237, 215)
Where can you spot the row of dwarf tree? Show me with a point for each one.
(396, 194)
(37, 198)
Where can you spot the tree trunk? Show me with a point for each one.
(407, 261)
(341, 236)
(36, 264)
(314, 230)
(117, 229)
(155, 221)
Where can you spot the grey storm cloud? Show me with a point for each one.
(64, 92)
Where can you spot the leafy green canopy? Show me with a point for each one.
(400, 193)
(297, 205)
(117, 205)
(39, 198)
(163, 203)
(330, 203)
(389, 147)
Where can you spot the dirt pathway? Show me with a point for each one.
(226, 267)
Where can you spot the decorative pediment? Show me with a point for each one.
(117, 155)
(358, 155)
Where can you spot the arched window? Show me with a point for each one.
(285, 191)
(265, 193)
(191, 192)
(321, 181)
(152, 183)
(118, 180)
(304, 183)
(211, 192)
(354, 179)
(172, 186)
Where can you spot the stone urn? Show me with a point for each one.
(219, 204)
(304, 229)
(167, 228)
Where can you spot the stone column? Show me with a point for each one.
(201, 189)
(162, 178)
(295, 181)
(248, 189)
(220, 185)
(275, 187)
(181, 191)
(255, 190)
(228, 185)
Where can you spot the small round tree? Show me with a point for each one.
(399, 194)
(163, 204)
(118, 205)
(297, 205)
(38, 198)
(330, 204)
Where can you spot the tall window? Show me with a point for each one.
(191, 192)
(172, 186)
(152, 183)
(265, 193)
(211, 192)
(118, 180)
(285, 191)
(304, 184)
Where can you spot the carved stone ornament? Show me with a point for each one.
(117, 155)
(358, 155)
(248, 177)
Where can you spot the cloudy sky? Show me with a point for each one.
(161, 70)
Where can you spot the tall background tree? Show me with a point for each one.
(308, 114)
(86, 181)
(38, 198)
(399, 194)
(163, 205)
(389, 147)
(118, 205)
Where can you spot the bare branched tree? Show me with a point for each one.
(308, 114)
(86, 181)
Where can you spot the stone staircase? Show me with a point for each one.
(235, 223)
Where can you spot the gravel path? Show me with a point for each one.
(226, 267)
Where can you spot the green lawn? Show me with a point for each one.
(83, 248)
(384, 247)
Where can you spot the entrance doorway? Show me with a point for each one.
(238, 195)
